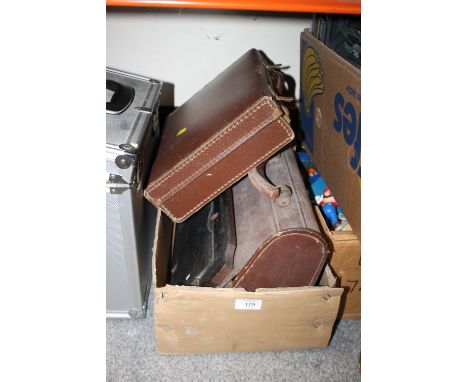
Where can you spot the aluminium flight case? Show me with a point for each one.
(132, 132)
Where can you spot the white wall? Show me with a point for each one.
(189, 48)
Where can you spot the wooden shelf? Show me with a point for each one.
(307, 6)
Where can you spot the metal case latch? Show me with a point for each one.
(116, 184)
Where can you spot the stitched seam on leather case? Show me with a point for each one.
(184, 162)
(271, 241)
(213, 161)
(209, 144)
(233, 179)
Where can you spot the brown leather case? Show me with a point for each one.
(278, 241)
(291, 258)
(231, 125)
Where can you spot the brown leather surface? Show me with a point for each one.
(231, 125)
(224, 173)
(258, 219)
(291, 258)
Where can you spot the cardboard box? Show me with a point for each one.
(331, 121)
(212, 320)
(346, 264)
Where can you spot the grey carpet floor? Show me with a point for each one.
(132, 356)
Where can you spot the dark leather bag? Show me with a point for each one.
(203, 252)
(233, 124)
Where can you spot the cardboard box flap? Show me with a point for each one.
(209, 320)
(193, 319)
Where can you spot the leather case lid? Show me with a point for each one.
(219, 102)
(218, 120)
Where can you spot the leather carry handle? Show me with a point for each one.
(280, 194)
(121, 99)
(261, 183)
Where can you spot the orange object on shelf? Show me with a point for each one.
(315, 6)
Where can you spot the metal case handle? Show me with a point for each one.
(121, 99)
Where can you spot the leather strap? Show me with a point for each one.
(262, 184)
(280, 98)
(286, 114)
(277, 82)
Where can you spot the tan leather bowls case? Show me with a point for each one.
(230, 126)
(290, 258)
(278, 241)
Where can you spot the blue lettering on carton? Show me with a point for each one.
(356, 159)
(347, 122)
(351, 91)
(339, 102)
